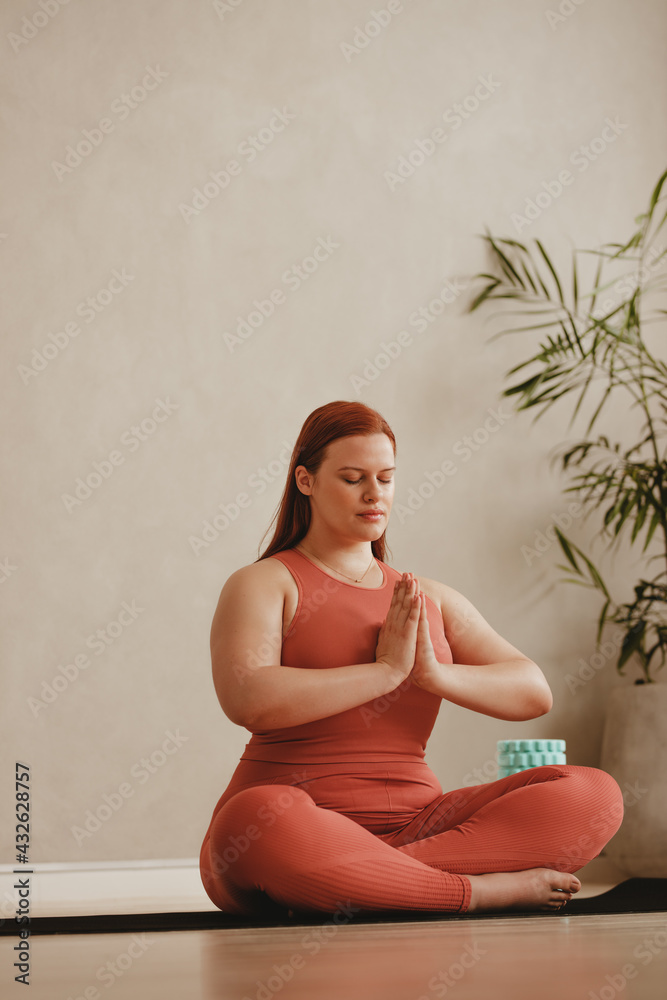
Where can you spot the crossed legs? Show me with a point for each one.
(510, 843)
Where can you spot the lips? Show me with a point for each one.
(373, 515)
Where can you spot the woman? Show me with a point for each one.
(337, 664)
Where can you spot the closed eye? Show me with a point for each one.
(355, 482)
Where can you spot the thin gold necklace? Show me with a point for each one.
(354, 580)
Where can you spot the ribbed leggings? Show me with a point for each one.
(270, 846)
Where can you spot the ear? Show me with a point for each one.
(304, 480)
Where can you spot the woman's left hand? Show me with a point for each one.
(427, 671)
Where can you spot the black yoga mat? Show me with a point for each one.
(635, 895)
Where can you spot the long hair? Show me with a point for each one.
(325, 424)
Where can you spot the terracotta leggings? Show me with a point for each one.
(383, 836)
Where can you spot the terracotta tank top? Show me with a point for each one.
(337, 624)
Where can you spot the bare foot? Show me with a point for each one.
(534, 889)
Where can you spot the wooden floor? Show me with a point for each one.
(542, 958)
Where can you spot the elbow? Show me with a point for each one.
(541, 701)
(247, 712)
(241, 713)
(239, 717)
(538, 699)
(541, 706)
(237, 709)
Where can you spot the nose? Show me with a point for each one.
(372, 492)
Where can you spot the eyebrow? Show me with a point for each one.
(355, 468)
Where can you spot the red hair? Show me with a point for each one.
(325, 424)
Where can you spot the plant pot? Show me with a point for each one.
(634, 751)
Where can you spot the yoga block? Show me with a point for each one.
(519, 755)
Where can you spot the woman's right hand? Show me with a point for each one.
(397, 638)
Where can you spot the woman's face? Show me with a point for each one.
(356, 477)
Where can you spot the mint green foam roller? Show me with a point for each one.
(519, 755)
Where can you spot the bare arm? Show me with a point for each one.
(256, 691)
(489, 674)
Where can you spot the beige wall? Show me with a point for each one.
(152, 348)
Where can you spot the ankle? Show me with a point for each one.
(476, 893)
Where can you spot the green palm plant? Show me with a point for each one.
(593, 347)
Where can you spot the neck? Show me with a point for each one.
(337, 550)
(354, 561)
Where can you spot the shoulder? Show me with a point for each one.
(471, 638)
(253, 597)
(455, 608)
(261, 576)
